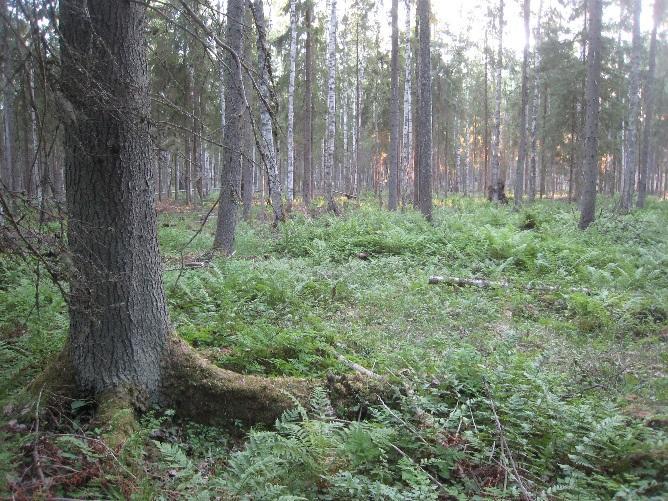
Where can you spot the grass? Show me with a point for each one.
(577, 379)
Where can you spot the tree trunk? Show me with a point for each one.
(590, 150)
(535, 106)
(497, 186)
(330, 121)
(307, 185)
(485, 180)
(266, 141)
(649, 108)
(7, 171)
(424, 103)
(634, 113)
(407, 144)
(248, 138)
(393, 191)
(521, 155)
(118, 316)
(291, 102)
(234, 108)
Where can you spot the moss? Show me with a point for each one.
(116, 416)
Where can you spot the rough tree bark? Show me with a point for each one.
(291, 102)
(521, 154)
(628, 187)
(234, 108)
(393, 185)
(497, 185)
(590, 150)
(266, 140)
(308, 106)
(649, 108)
(330, 121)
(118, 318)
(120, 350)
(424, 103)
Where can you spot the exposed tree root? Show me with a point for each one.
(200, 391)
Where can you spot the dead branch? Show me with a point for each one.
(501, 284)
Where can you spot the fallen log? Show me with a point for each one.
(501, 284)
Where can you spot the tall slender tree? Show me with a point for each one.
(649, 107)
(291, 103)
(590, 147)
(307, 184)
(407, 133)
(496, 189)
(267, 146)
(535, 106)
(393, 192)
(631, 161)
(425, 109)
(521, 154)
(234, 109)
(330, 121)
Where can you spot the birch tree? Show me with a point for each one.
(330, 120)
(590, 149)
(407, 132)
(266, 141)
(631, 161)
(291, 102)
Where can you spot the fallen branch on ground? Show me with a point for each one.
(501, 284)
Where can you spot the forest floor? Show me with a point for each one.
(552, 386)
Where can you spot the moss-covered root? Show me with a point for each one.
(205, 393)
(116, 417)
(200, 391)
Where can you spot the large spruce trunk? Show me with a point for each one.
(118, 318)
(424, 139)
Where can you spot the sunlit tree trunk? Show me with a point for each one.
(588, 199)
(631, 162)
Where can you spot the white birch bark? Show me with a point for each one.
(291, 102)
(266, 141)
(407, 132)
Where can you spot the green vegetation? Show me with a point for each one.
(564, 389)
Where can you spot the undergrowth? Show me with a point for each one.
(559, 392)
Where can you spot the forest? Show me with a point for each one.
(333, 249)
